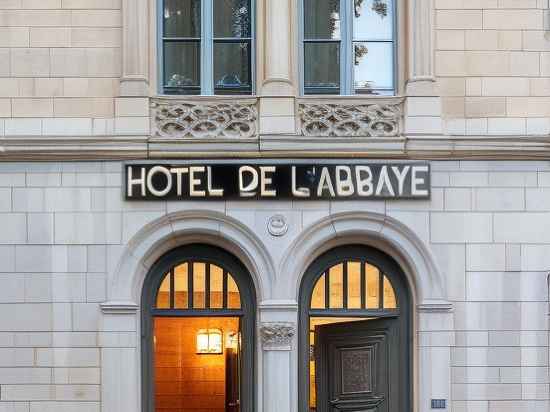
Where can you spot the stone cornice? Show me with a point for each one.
(73, 148)
(19, 148)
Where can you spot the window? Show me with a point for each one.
(199, 333)
(354, 333)
(207, 46)
(349, 47)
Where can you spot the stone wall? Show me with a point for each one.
(64, 227)
(493, 65)
(60, 64)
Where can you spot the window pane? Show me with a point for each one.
(233, 295)
(389, 295)
(232, 18)
(318, 296)
(163, 295)
(373, 286)
(182, 18)
(181, 285)
(199, 281)
(354, 285)
(322, 19)
(336, 287)
(373, 20)
(232, 67)
(373, 67)
(322, 68)
(182, 66)
(216, 287)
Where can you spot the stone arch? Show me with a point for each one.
(427, 284)
(181, 228)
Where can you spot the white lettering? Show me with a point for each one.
(300, 191)
(384, 180)
(211, 191)
(250, 189)
(194, 182)
(344, 186)
(139, 181)
(265, 181)
(401, 176)
(363, 182)
(152, 173)
(417, 181)
(325, 183)
(179, 172)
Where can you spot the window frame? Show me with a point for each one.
(206, 41)
(403, 313)
(346, 51)
(247, 314)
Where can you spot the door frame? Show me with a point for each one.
(404, 314)
(247, 313)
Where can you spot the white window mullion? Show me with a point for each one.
(207, 48)
(346, 47)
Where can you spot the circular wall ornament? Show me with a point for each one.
(277, 225)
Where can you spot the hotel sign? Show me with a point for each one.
(273, 181)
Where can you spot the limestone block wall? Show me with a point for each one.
(64, 227)
(60, 64)
(493, 66)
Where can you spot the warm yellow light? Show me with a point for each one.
(209, 341)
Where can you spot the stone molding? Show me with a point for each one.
(355, 118)
(203, 119)
(42, 148)
(435, 307)
(119, 308)
(277, 335)
(135, 48)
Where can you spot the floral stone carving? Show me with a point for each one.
(187, 119)
(345, 120)
(277, 336)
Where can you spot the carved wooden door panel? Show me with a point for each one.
(357, 365)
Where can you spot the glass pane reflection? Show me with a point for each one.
(163, 294)
(216, 287)
(373, 68)
(232, 18)
(233, 294)
(232, 66)
(322, 68)
(199, 285)
(373, 20)
(182, 65)
(182, 18)
(181, 286)
(322, 19)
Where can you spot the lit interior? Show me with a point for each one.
(372, 295)
(182, 283)
(187, 381)
(367, 288)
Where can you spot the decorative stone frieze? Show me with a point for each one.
(334, 119)
(277, 336)
(204, 119)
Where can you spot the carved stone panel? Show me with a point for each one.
(350, 120)
(277, 336)
(174, 119)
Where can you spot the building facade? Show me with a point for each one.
(411, 275)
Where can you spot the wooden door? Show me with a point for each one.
(357, 366)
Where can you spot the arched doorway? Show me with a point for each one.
(355, 337)
(198, 309)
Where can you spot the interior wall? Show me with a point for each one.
(184, 380)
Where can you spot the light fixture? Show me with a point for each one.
(209, 341)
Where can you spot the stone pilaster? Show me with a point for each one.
(135, 48)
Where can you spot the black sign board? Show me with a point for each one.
(221, 181)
